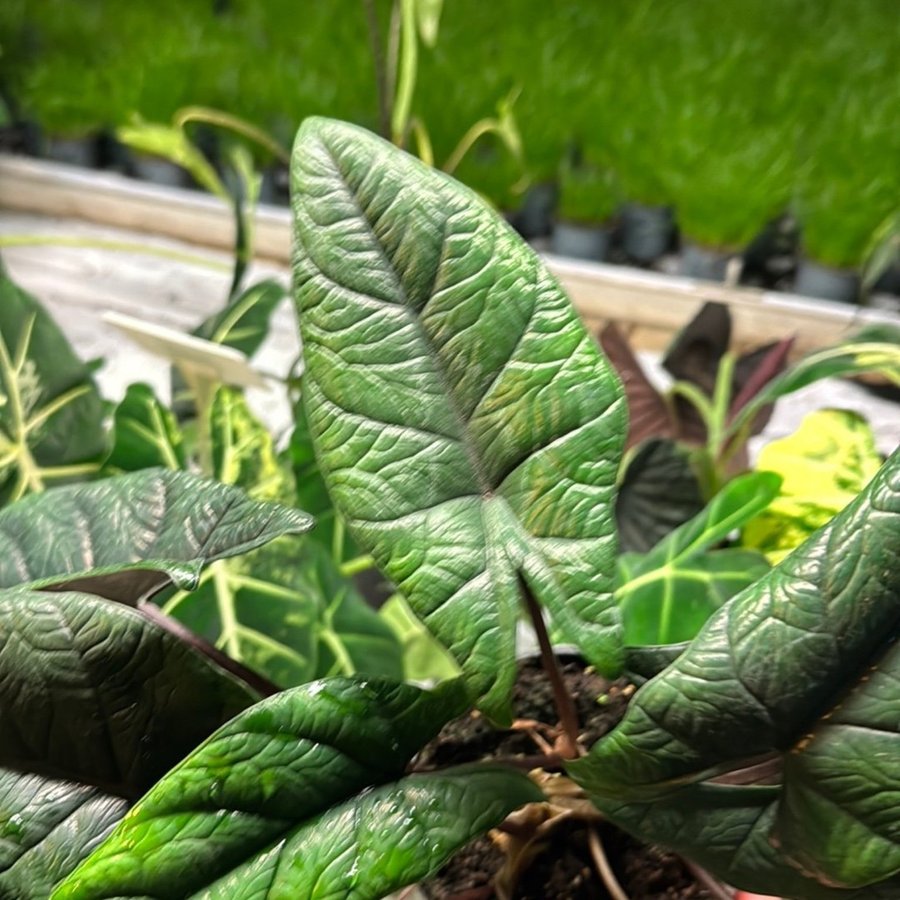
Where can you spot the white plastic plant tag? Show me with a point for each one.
(205, 358)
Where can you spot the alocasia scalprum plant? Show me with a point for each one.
(469, 433)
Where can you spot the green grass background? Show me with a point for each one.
(732, 111)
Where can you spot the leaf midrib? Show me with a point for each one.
(486, 489)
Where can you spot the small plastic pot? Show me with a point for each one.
(535, 218)
(158, 170)
(704, 262)
(581, 241)
(73, 151)
(647, 231)
(826, 283)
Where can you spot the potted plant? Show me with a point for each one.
(477, 464)
(647, 217)
(841, 206)
(587, 202)
(727, 187)
(837, 222)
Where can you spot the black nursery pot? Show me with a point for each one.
(158, 170)
(704, 262)
(73, 151)
(590, 242)
(535, 218)
(647, 231)
(827, 283)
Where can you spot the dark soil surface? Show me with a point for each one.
(565, 870)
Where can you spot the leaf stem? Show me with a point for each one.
(406, 83)
(381, 72)
(598, 854)
(565, 708)
(356, 565)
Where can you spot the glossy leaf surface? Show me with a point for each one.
(802, 668)
(96, 703)
(48, 826)
(240, 808)
(385, 839)
(667, 594)
(125, 537)
(51, 414)
(466, 425)
(95, 692)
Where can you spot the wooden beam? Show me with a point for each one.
(653, 306)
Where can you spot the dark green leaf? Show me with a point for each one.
(465, 423)
(145, 434)
(96, 702)
(51, 414)
(47, 826)
(647, 661)
(728, 829)
(126, 537)
(659, 492)
(244, 802)
(802, 666)
(667, 594)
(95, 692)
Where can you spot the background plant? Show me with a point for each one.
(616, 74)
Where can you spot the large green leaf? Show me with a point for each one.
(465, 424)
(801, 668)
(823, 466)
(667, 594)
(51, 414)
(96, 702)
(126, 537)
(97, 692)
(234, 819)
(385, 839)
